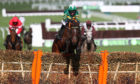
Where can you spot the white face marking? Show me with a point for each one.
(89, 36)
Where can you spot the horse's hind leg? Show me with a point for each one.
(9, 45)
(19, 46)
(75, 63)
(29, 46)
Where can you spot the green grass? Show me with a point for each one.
(112, 28)
(109, 48)
(128, 15)
(44, 49)
(1, 41)
(52, 30)
(119, 48)
(39, 19)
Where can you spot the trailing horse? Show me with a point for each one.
(88, 44)
(70, 45)
(13, 41)
(28, 39)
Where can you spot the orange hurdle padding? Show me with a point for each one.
(100, 77)
(36, 67)
(103, 68)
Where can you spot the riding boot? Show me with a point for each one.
(60, 33)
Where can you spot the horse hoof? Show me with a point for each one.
(75, 73)
(66, 71)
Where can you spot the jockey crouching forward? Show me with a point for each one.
(17, 25)
(70, 14)
(88, 28)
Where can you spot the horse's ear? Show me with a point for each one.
(30, 29)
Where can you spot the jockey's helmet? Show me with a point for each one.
(15, 20)
(72, 10)
(88, 23)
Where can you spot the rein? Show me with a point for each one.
(69, 25)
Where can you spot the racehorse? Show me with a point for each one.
(70, 39)
(13, 41)
(28, 39)
(70, 44)
(88, 44)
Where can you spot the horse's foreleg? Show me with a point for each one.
(67, 46)
(95, 47)
(9, 45)
(67, 66)
(75, 63)
(30, 46)
(78, 49)
(85, 47)
(55, 48)
(18, 46)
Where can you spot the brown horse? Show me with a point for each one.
(13, 41)
(70, 39)
(70, 44)
(28, 39)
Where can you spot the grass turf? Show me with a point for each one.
(109, 48)
(133, 16)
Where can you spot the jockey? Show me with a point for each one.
(70, 14)
(88, 28)
(15, 23)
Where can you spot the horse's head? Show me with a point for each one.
(74, 31)
(89, 37)
(28, 37)
(30, 30)
(13, 35)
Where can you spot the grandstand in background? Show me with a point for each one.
(66, 1)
